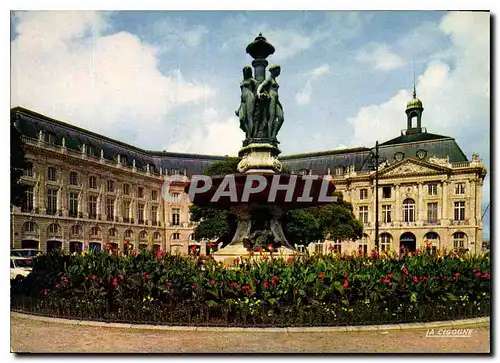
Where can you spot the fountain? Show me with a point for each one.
(260, 193)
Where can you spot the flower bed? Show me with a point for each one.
(300, 291)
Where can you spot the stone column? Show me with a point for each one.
(420, 215)
(397, 209)
(445, 201)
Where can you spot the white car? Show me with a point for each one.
(20, 266)
(25, 252)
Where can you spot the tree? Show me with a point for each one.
(18, 164)
(214, 223)
(334, 221)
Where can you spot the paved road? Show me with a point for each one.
(32, 336)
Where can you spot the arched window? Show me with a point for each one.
(30, 227)
(95, 231)
(409, 210)
(113, 232)
(431, 241)
(156, 236)
(128, 233)
(54, 228)
(176, 236)
(76, 230)
(385, 242)
(459, 240)
(143, 235)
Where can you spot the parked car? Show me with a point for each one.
(20, 266)
(25, 252)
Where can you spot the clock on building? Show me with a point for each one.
(421, 154)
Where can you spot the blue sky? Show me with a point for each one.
(170, 79)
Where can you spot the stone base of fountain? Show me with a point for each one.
(259, 158)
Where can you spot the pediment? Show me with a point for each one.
(411, 167)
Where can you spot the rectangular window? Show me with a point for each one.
(363, 214)
(386, 214)
(92, 206)
(363, 194)
(140, 214)
(459, 211)
(73, 178)
(110, 209)
(92, 182)
(73, 204)
(154, 215)
(386, 192)
(111, 185)
(176, 216)
(432, 189)
(51, 174)
(140, 192)
(154, 195)
(125, 212)
(175, 197)
(28, 201)
(432, 212)
(460, 188)
(51, 201)
(126, 189)
(29, 170)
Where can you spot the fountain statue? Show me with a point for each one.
(259, 194)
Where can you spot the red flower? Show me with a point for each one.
(93, 277)
(346, 284)
(193, 248)
(274, 280)
(477, 273)
(289, 260)
(423, 277)
(265, 284)
(386, 281)
(121, 276)
(86, 278)
(321, 276)
(245, 287)
(345, 275)
(115, 282)
(270, 248)
(58, 286)
(45, 292)
(234, 284)
(405, 271)
(486, 275)
(193, 286)
(212, 282)
(374, 253)
(389, 276)
(65, 279)
(169, 283)
(261, 250)
(415, 279)
(251, 252)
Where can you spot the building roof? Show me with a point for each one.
(30, 123)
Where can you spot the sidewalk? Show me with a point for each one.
(32, 336)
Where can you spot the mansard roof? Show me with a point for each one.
(30, 123)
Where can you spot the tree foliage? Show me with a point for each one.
(18, 164)
(335, 221)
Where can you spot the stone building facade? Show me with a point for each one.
(87, 190)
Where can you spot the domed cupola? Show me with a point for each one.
(414, 108)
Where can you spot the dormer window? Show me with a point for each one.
(50, 138)
(91, 150)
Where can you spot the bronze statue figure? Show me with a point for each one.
(268, 92)
(246, 110)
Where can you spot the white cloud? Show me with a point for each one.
(213, 135)
(380, 57)
(64, 67)
(303, 97)
(456, 96)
